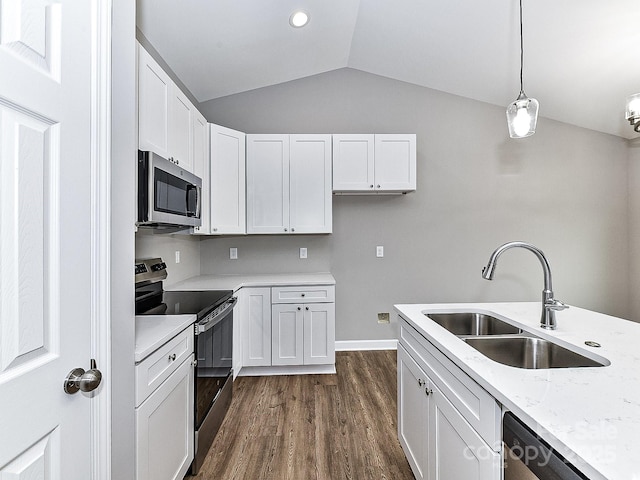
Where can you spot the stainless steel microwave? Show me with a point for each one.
(169, 197)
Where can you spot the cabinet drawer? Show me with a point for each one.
(303, 294)
(158, 366)
(474, 403)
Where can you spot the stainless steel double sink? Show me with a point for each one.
(508, 344)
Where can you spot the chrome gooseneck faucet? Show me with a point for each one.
(549, 304)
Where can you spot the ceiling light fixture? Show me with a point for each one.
(299, 19)
(522, 115)
(632, 112)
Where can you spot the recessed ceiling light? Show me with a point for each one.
(299, 19)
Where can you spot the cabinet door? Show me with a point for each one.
(353, 168)
(255, 311)
(319, 333)
(310, 184)
(153, 105)
(180, 124)
(164, 428)
(228, 193)
(413, 413)
(455, 448)
(395, 162)
(287, 334)
(267, 183)
(201, 168)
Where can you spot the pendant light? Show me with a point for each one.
(522, 115)
(633, 111)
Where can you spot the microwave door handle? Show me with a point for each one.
(198, 201)
(195, 213)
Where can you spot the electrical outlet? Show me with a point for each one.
(177, 256)
(383, 317)
(233, 253)
(303, 252)
(379, 251)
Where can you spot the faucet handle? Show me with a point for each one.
(553, 304)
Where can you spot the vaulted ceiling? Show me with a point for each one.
(581, 57)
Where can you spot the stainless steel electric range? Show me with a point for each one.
(213, 331)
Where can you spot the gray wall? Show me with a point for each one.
(565, 190)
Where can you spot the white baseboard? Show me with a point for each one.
(287, 370)
(351, 345)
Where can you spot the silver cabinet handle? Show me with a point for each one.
(285, 229)
(428, 391)
(306, 308)
(420, 382)
(293, 229)
(79, 380)
(299, 308)
(377, 186)
(172, 357)
(370, 186)
(302, 294)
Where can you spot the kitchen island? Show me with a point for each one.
(591, 415)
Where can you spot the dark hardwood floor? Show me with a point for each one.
(324, 427)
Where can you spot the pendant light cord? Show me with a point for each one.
(521, 51)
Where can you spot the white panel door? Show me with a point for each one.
(180, 124)
(319, 333)
(456, 450)
(255, 315)
(310, 184)
(153, 105)
(395, 162)
(287, 347)
(413, 413)
(201, 168)
(228, 183)
(267, 183)
(46, 272)
(353, 168)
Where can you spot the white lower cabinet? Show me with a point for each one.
(448, 426)
(164, 413)
(287, 326)
(302, 334)
(254, 309)
(164, 428)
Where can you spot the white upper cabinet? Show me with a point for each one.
(310, 203)
(165, 114)
(374, 163)
(228, 184)
(289, 184)
(153, 105)
(181, 115)
(201, 168)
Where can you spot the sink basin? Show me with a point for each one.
(529, 352)
(472, 323)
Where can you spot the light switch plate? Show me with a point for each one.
(233, 253)
(379, 251)
(303, 252)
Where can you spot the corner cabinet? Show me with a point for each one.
(289, 184)
(380, 163)
(448, 426)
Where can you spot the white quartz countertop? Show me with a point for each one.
(235, 282)
(153, 331)
(591, 415)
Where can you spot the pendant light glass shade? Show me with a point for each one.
(632, 112)
(522, 116)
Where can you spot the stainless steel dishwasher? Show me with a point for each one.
(528, 457)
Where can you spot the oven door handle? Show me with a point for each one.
(201, 327)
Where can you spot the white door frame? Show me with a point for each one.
(101, 235)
